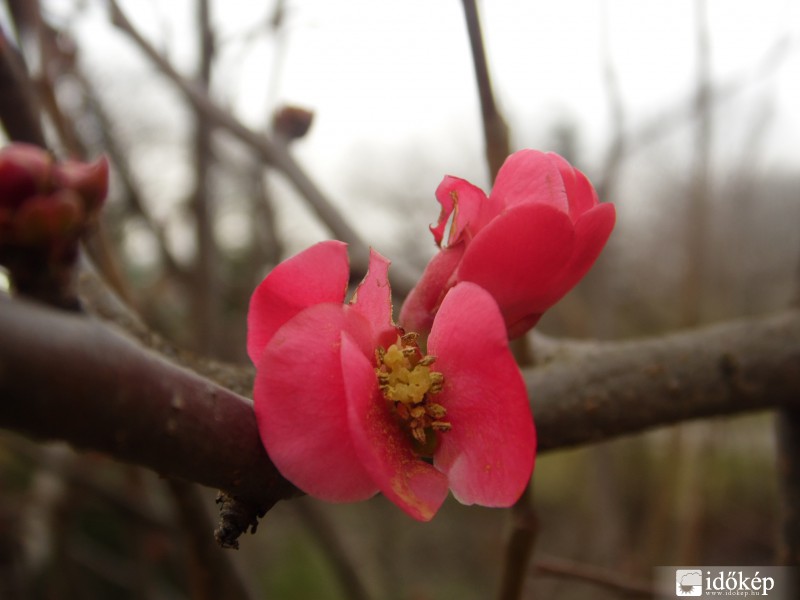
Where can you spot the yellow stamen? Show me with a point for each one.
(407, 381)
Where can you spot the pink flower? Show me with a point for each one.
(527, 244)
(348, 404)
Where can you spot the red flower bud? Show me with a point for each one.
(25, 170)
(43, 220)
(89, 180)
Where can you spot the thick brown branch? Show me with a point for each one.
(591, 393)
(72, 378)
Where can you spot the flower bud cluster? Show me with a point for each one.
(45, 208)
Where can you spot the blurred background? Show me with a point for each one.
(682, 113)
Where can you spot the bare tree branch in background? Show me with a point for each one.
(18, 101)
(672, 118)
(271, 153)
(609, 173)
(205, 288)
(495, 130)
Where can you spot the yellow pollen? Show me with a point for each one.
(407, 381)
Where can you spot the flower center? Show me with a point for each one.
(408, 383)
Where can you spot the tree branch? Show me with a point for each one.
(72, 378)
(267, 150)
(495, 129)
(595, 391)
(19, 104)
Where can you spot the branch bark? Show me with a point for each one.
(73, 378)
(595, 391)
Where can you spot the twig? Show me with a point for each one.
(206, 281)
(609, 174)
(559, 567)
(670, 119)
(495, 130)
(270, 152)
(212, 572)
(122, 169)
(788, 432)
(329, 541)
(519, 548)
(19, 104)
(78, 475)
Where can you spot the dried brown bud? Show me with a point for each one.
(292, 122)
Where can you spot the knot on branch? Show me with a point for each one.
(236, 517)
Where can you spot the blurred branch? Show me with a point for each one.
(19, 104)
(205, 285)
(697, 212)
(519, 547)
(86, 476)
(495, 130)
(670, 119)
(788, 437)
(327, 537)
(212, 573)
(122, 169)
(270, 152)
(559, 567)
(609, 173)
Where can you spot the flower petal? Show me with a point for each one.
(592, 231)
(421, 304)
(464, 202)
(300, 403)
(580, 192)
(373, 299)
(530, 176)
(518, 256)
(385, 451)
(318, 274)
(488, 454)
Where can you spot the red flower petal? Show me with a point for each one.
(301, 407)
(385, 451)
(421, 304)
(530, 176)
(464, 202)
(318, 274)
(580, 193)
(592, 231)
(517, 256)
(488, 454)
(373, 299)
